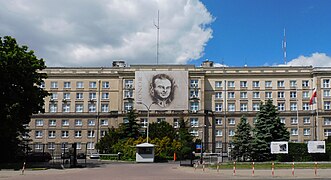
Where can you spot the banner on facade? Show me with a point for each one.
(316, 146)
(166, 90)
(280, 147)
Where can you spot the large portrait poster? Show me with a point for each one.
(316, 146)
(167, 90)
(280, 147)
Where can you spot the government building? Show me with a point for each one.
(86, 101)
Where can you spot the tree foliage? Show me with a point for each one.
(106, 143)
(185, 139)
(267, 128)
(20, 94)
(131, 128)
(242, 141)
(160, 130)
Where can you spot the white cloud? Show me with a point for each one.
(316, 59)
(93, 33)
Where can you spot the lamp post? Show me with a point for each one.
(148, 108)
(201, 156)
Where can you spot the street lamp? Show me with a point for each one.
(148, 108)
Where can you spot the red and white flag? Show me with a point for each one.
(312, 98)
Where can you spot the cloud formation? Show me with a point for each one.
(316, 60)
(93, 33)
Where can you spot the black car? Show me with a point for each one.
(38, 157)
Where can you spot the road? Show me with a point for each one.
(158, 171)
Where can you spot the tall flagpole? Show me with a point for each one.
(284, 46)
(297, 96)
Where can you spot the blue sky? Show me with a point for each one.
(251, 31)
(237, 32)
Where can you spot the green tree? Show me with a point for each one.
(106, 143)
(267, 128)
(20, 94)
(130, 129)
(185, 139)
(242, 141)
(161, 130)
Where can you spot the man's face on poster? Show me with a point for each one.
(162, 88)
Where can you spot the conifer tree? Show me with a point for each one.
(242, 142)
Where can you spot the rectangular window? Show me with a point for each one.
(256, 84)
(53, 107)
(194, 122)
(281, 95)
(79, 96)
(293, 106)
(104, 122)
(282, 120)
(78, 145)
(231, 132)
(326, 83)
(90, 145)
(65, 122)
(128, 106)
(159, 120)
(327, 121)
(306, 132)
(231, 95)
(231, 84)
(104, 108)
(103, 133)
(105, 85)
(79, 107)
(92, 107)
(231, 107)
(92, 96)
(326, 93)
(39, 134)
(256, 94)
(65, 134)
(294, 131)
(51, 134)
(54, 85)
(194, 106)
(66, 85)
(281, 107)
(293, 83)
(268, 84)
(243, 106)
(218, 107)
(219, 133)
(218, 121)
(91, 122)
(194, 93)
(293, 94)
(218, 144)
(268, 95)
(66, 96)
(143, 122)
(128, 84)
(327, 132)
(218, 84)
(54, 96)
(78, 134)
(243, 84)
(90, 134)
(306, 120)
(78, 122)
(52, 122)
(305, 107)
(79, 85)
(231, 121)
(280, 84)
(305, 95)
(194, 132)
(105, 95)
(256, 106)
(305, 83)
(51, 145)
(194, 83)
(66, 107)
(327, 105)
(243, 95)
(218, 95)
(128, 94)
(176, 123)
(93, 84)
(39, 122)
(294, 120)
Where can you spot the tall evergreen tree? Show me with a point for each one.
(130, 129)
(267, 128)
(242, 141)
(161, 130)
(106, 143)
(185, 139)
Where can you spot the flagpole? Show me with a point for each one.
(297, 96)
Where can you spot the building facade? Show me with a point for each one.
(85, 102)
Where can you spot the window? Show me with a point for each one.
(104, 108)
(103, 133)
(66, 96)
(243, 95)
(326, 83)
(38, 146)
(65, 122)
(282, 120)
(51, 145)
(294, 120)
(256, 94)
(231, 132)
(66, 107)
(91, 107)
(231, 95)
(194, 122)
(305, 83)
(51, 122)
(231, 121)
(231, 107)
(256, 106)
(51, 134)
(42, 85)
(218, 84)
(268, 95)
(104, 122)
(66, 85)
(159, 120)
(256, 84)
(53, 108)
(90, 134)
(128, 83)
(306, 132)
(39, 134)
(268, 84)
(293, 94)
(105, 95)
(327, 132)
(78, 145)
(243, 84)
(306, 120)
(64, 145)
(194, 106)
(327, 121)
(105, 84)
(219, 133)
(125, 120)
(281, 107)
(293, 106)
(231, 84)
(90, 145)
(39, 122)
(326, 93)
(78, 122)
(54, 85)
(305, 107)
(218, 121)
(280, 84)
(128, 94)
(293, 83)
(218, 144)
(305, 94)
(194, 83)
(144, 122)
(294, 131)
(218, 95)
(176, 123)
(78, 134)
(194, 132)
(92, 96)
(79, 85)
(65, 134)
(79, 107)
(79, 96)
(91, 122)
(243, 106)
(53, 96)
(128, 106)
(93, 84)
(194, 93)
(281, 94)
(327, 105)
(218, 107)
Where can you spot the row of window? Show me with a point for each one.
(256, 84)
(65, 134)
(79, 107)
(92, 95)
(65, 122)
(64, 145)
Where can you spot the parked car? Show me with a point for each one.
(94, 156)
(38, 157)
(81, 156)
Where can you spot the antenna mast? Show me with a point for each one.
(158, 36)
(284, 46)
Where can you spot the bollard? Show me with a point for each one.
(253, 168)
(273, 169)
(293, 168)
(234, 168)
(218, 167)
(315, 168)
(203, 166)
(23, 168)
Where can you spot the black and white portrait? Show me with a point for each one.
(167, 90)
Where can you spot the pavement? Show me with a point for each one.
(159, 171)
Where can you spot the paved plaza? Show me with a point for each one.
(158, 171)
